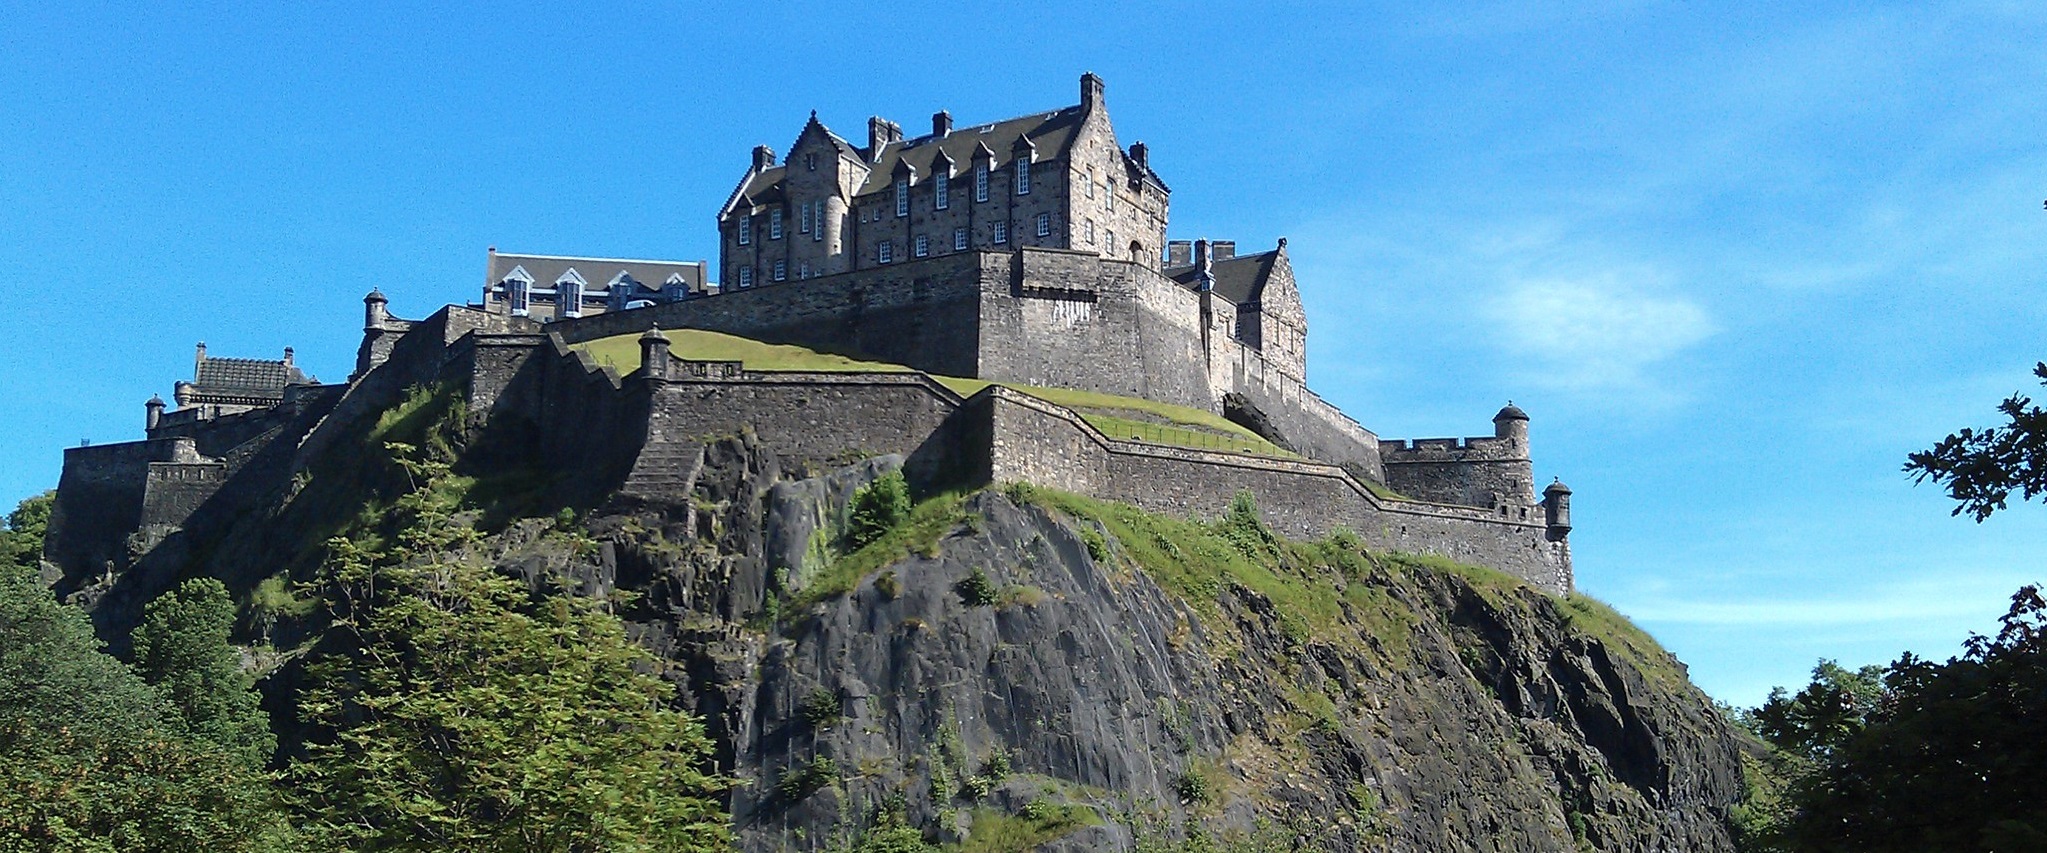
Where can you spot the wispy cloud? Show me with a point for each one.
(1602, 331)
(1949, 600)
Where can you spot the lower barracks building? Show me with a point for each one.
(1030, 252)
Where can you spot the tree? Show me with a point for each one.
(21, 537)
(182, 648)
(1830, 710)
(876, 508)
(466, 713)
(95, 760)
(1982, 468)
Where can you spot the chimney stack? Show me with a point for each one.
(1224, 249)
(1090, 92)
(1179, 253)
(941, 123)
(287, 357)
(880, 132)
(763, 157)
(1142, 154)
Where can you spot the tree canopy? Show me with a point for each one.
(1982, 468)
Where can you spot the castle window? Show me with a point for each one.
(1001, 233)
(902, 196)
(1109, 197)
(775, 224)
(1023, 176)
(1044, 225)
(1090, 182)
(885, 252)
(959, 239)
(803, 219)
(803, 271)
(1090, 232)
(981, 181)
(810, 162)
(746, 276)
(746, 230)
(519, 297)
(923, 249)
(781, 270)
(943, 192)
(570, 296)
(1109, 239)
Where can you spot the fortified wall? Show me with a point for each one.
(644, 435)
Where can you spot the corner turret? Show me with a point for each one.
(374, 310)
(1556, 510)
(654, 354)
(1512, 424)
(155, 411)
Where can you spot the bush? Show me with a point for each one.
(1192, 788)
(976, 590)
(807, 778)
(822, 708)
(876, 508)
(1097, 544)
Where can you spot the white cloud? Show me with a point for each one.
(1599, 332)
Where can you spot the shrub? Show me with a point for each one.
(807, 778)
(1192, 788)
(822, 708)
(876, 508)
(976, 590)
(1097, 544)
(888, 585)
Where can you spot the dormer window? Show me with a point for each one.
(981, 181)
(516, 293)
(775, 224)
(1023, 176)
(746, 230)
(942, 191)
(902, 197)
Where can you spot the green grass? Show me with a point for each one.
(1596, 618)
(929, 521)
(996, 832)
(1116, 416)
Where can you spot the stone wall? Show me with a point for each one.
(1484, 471)
(172, 491)
(100, 500)
(1037, 442)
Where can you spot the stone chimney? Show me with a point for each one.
(1179, 253)
(198, 359)
(1204, 267)
(1090, 92)
(763, 158)
(881, 132)
(287, 357)
(941, 123)
(1224, 249)
(1142, 154)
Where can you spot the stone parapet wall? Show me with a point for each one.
(173, 490)
(1483, 471)
(1034, 441)
(100, 499)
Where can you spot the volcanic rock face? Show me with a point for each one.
(1024, 655)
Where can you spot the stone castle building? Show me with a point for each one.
(1028, 252)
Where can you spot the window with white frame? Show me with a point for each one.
(902, 197)
(1090, 182)
(746, 276)
(1109, 197)
(803, 219)
(885, 252)
(781, 270)
(746, 230)
(1044, 225)
(517, 294)
(803, 271)
(959, 239)
(775, 224)
(981, 181)
(1109, 238)
(1023, 175)
(570, 295)
(1001, 233)
(1089, 230)
(922, 246)
(942, 192)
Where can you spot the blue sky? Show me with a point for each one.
(1736, 261)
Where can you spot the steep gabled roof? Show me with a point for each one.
(1240, 279)
(548, 270)
(1052, 133)
(246, 376)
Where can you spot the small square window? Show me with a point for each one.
(959, 239)
(923, 245)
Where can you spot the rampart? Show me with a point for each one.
(1480, 471)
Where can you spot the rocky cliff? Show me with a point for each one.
(1020, 669)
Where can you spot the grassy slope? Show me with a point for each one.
(1120, 417)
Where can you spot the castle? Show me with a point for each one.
(1030, 252)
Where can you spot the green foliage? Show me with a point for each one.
(976, 590)
(822, 708)
(95, 759)
(1939, 756)
(888, 585)
(182, 648)
(807, 778)
(21, 537)
(1596, 618)
(877, 508)
(464, 713)
(1034, 825)
(1193, 787)
(895, 838)
(929, 520)
(1097, 544)
(1982, 468)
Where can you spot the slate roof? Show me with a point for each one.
(246, 376)
(1051, 133)
(597, 273)
(1240, 279)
